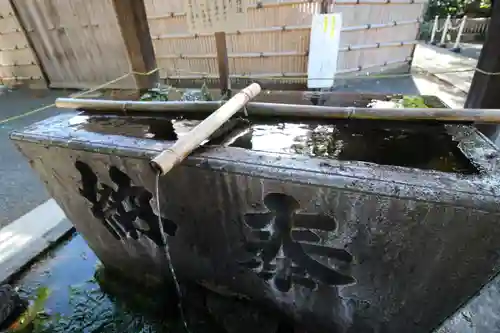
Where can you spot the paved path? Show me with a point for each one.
(471, 50)
(20, 188)
(434, 59)
(458, 68)
(29, 219)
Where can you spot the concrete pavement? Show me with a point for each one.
(434, 59)
(471, 50)
(30, 221)
(25, 238)
(20, 188)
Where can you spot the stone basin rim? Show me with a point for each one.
(416, 191)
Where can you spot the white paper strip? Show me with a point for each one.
(323, 50)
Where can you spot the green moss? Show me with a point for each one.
(31, 320)
(157, 94)
(411, 102)
(94, 309)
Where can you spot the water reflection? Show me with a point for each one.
(387, 143)
(157, 128)
(423, 146)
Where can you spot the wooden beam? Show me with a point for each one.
(223, 63)
(134, 27)
(484, 89)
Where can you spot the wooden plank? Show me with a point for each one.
(36, 58)
(134, 27)
(483, 92)
(222, 62)
(76, 41)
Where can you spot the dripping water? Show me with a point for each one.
(167, 253)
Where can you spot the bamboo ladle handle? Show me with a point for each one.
(170, 157)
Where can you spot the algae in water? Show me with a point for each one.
(412, 102)
(93, 310)
(161, 94)
(156, 94)
(404, 102)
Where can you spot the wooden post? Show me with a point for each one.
(435, 27)
(484, 89)
(447, 24)
(134, 27)
(324, 6)
(223, 63)
(456, 46)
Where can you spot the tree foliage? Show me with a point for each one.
(442, 8)
(457, 8)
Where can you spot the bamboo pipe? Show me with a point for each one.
(294, 110)
(170, 157)
(114, 105)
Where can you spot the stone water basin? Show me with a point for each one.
(343, 226)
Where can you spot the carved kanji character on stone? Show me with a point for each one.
(124, 209)
(282, 244)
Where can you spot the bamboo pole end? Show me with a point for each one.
(165, 162)
(156, 167)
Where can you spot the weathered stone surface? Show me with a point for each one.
(240, 317)
(480, 315)
(340, 246)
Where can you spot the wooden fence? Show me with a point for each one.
(17, 59)
(275, 41)
(474, 29)
(79, 43)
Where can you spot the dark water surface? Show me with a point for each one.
(86, 297)
(415, 145)
(77, 302)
